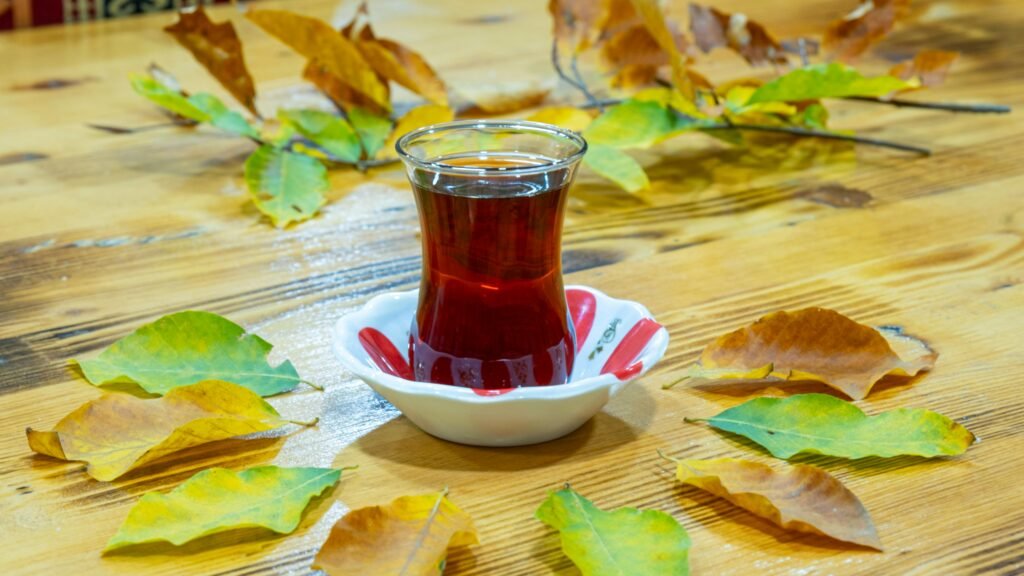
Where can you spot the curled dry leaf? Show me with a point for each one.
(317, 41)
(216, 500)
(812, 344)
(623, 541)
(797, 497)
(188, 347)
(340, 93)
(654, 19)
(216, 46)
(713, 28)
(119, 432)
(418, 117)
(410, 536)
(494, 100)
(929, 67)
(577, 22)
(823, 424)
(868, 23)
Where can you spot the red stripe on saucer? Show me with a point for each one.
(582, 309)
(384, 354)
(632, 344)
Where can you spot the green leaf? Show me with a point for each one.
(623, 541)
(167, 98)
(286, 186)
(813, 116)
(188, 347)
(636, 124)
(617, 166)
(221, 116)
(373, 129)
(832, 80)
(331, 133)
(218, 499)
(823, 424)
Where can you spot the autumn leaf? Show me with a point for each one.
(373, 129)
(216, 46)
(623, 541)
(654, 19)
(577, 22)
(823, 424)
(617, 166)
(317, 41)
(636, 124)
(833, 80)
(928, 67)
(713, 28)
(813, 344)
(216, 500)
(343, 96)
(329, 132)
(405, 67)
(222, 117)
(494, 100)
(286, 186)
(409, 536)
(563, 116)
(188, 347)
(118, 432)
(167, 98)
(868, 23)
(418, 117)
(798, 497)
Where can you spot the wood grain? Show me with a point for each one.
(101, 233)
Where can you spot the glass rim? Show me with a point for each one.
(401, 146)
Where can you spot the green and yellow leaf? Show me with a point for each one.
(636, 124)
(623, 541)
(119, 432)
(833, 80)
(328, 131)
(373, 129)
(823, 424)
(189, 347)
(799, 497)
(163, 96)
(410, 536)
(617, 166)
(217, 500)
(286, 186)
(221, 116)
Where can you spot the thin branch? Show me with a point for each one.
(948, 106)
(574, 66)
(809, 132)
(577, 82)
(132, 130)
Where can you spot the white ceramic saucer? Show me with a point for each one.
(617, 341)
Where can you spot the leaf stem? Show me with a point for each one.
(674, 382)
(689, 420)
(669, 458)
(306, 423)
(972, 108)
(316, 387)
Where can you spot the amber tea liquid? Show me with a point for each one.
(492, 311)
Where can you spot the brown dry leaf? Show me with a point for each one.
(119, 432)
(409, 536)
(713, 28)
(868, 23)
(928, 66)
(654, 19)
(494, 100)
(577, 22)
(340, 93)
(813, 344)
(418, 117)
(316, 40)
(216, 46)
(797, 497)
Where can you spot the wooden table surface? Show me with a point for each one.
(101, 233)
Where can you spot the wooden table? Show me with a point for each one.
(101, 233)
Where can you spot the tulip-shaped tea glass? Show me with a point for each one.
(490, 194)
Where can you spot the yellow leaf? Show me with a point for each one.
(799, 497)
(416, 118)
(317, 41)
(493, 100)
(564, 116)
(814, 344)
(404, 66)
(654, 19)
(410, 536)
(118, 432)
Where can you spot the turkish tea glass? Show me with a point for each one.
(491, 196)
